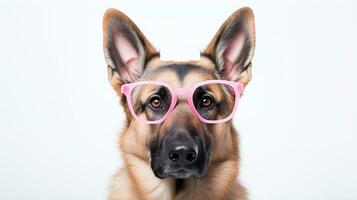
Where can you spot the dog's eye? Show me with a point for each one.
(155, 102)
(206, 101)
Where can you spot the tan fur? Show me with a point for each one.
(135, 180)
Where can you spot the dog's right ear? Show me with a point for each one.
(126, 49)
(233, 46)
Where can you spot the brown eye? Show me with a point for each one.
(206, 101)
(155, 102)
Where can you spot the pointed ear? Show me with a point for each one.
(126, 49)
(232, 47)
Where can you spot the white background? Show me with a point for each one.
(59, 117)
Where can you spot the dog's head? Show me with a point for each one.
(181, 141)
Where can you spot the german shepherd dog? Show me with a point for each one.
(178, 141)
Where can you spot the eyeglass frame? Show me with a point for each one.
(127, 89)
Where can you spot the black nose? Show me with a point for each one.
(181, 148)
(183, 155)
(182, 152)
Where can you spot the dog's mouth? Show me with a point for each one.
(181, 173)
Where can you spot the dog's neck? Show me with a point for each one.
(223, 175)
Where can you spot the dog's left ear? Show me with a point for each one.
(126, 49)
(232, 47)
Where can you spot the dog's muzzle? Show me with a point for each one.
(181, 154)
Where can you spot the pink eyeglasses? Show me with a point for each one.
(212, 101)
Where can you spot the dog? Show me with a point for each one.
(178, 141)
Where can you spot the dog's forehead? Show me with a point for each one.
(180, 74)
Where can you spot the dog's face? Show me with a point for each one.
(181, 145)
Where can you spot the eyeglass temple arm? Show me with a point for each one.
(124, 89)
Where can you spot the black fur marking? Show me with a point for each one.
(179, 184)
(182, 69)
